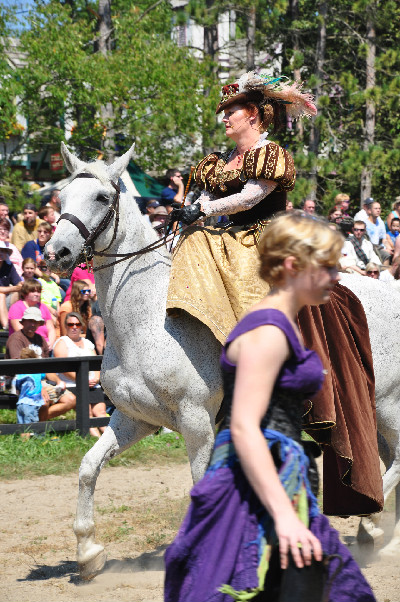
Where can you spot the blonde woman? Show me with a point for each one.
(254, 512)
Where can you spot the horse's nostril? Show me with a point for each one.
(64, 252)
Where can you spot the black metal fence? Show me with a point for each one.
(80, 365)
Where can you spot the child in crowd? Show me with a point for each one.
(392, 234)
(47, 215)
(51, 292)
(32, 395)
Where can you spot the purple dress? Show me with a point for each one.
(224, 548)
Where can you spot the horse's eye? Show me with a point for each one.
(103, 198)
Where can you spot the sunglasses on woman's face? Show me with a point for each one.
(372, 272)
(85, 291)
(74, 325)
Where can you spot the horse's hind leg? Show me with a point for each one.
(121, 433)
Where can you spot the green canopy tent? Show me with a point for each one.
(145, 185)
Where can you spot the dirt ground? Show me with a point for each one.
(137, 512)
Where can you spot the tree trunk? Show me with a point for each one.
(315, 133)
(251, 37)
(211, 47)
(369, 137)
(294, 15)
(104, 46)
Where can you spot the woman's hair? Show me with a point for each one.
(28, 260)
(4, 223)
(46, 226)
(28, 286)
(372, 266)
(74, 314)
(333, 210)
(269, 111)
(310, 240)
(83, 309)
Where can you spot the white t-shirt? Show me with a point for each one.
(75, 351)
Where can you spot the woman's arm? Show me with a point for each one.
(51, 332)
(251, 194)
(16, 325)
(260, 356)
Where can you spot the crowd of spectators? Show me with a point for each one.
(372, 245)
(45, 315)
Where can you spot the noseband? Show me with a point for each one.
(89, 238)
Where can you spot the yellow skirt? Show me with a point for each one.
(215, 277)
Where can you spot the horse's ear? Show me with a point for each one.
(72, 163)
(118, 167)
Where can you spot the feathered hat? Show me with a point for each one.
(252, 87)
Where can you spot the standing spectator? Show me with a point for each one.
(174, 191)
(15, 257)
(26, 229)
(373, 270)
(30, 297)
(10, 282)
(375, 227)
(73, 345)
(342, 201)
(47, 214)
(309, 207)
(32, 395)
(79, 303)
(357, 251)
(54, 203)
(395, 212)
(289, 205)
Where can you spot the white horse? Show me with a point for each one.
(162, 371)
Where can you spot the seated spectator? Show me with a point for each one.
(158, 219)
(357, 251)
(395, 213)
(342, 202)
(151, 205)
(392, 273)
(30, 297)
(79, 303)
(27, 336)
(35, 248)
(373, 270)
(5, 214)
(15, 257)
(174, 191)
(28, 268)
(289, 205)
(26, 229)
(10, 282)
(51, 294)
(73, 345)
(335, 215)
(47, 214)
(392, 234)
(80, 273)
(309, 206)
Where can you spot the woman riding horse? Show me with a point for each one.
(215, 279)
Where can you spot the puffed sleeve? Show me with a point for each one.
(205, 170)
(270, 162)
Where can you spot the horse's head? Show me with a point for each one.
(88, 206)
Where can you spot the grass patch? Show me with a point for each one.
(38, 456)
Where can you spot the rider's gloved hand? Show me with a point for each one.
(187, 215)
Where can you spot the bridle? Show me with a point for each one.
(88, 251)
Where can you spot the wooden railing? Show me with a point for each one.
(80, 365)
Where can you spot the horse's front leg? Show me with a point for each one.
(197, 428)
(121, 433)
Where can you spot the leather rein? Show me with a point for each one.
(89, 238)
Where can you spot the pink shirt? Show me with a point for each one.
(78, 274)
(16, 312)
(15, 257)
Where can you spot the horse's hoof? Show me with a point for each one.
(372, 536)
(88, 570)
(392, 550)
